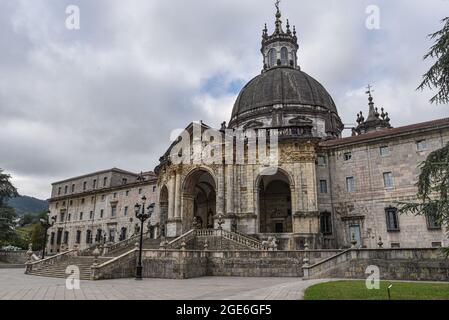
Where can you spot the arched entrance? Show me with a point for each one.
(275, 204)
(163, 205)
(198, 200)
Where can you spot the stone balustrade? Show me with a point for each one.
(393, 263)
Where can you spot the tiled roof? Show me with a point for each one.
(435, 124)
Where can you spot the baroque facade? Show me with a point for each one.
(325, 190)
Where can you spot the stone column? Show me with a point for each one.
(178, 193)
(230, 189)
(171, 199)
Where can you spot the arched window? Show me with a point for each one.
(271, 58)
(284, 56)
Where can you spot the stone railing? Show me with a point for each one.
(122, 266)
(393, 263)
(241, 239)
(122, 244)
(186, 237)
(51, 260)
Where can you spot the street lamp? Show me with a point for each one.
(46, 224)
(142, 213)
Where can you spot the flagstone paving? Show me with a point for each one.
(15, 285)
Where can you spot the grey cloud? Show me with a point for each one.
(111, 93)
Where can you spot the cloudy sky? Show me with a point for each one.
(109, 94)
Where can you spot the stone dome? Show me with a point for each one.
(281, 85)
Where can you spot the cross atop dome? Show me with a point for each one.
(280, 48)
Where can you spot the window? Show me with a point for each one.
(88, 236)
(321, 160)
(392, 219)
(124, 181)
(78, 236)
(59, 190)
(92, 199)
(103, 197)
(347, 156)
(323, 186)
(113, 211)
(432, 222)
(284, 56)
(101, 213)
(63, 203)
(350, 184)
(140, 191)
(271, 58)
(65, 189)
(384, 151)
(71, 203)
(436, 244)
(395, 245)
(94, 184)
(421, 145)
(154, 188)
(52, 238)
(126, 211)
(84, 186)
(326, 223)
(127, 193)
(73, 188)
(91, 215)
(81, 216)
(82, 201)
(105, 181)
(69, 217)
(115, 195)
(388, 180)
(66, 237)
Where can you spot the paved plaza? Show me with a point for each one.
(15, 285)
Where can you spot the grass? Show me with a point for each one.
(356, 290)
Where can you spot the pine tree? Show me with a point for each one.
(433, 181)
(7, 214)
(438, 75)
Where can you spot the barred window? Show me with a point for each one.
(350, 185)
(326, 223)
(388, 180)
(323, 186)
(392, 219)
(432, 222)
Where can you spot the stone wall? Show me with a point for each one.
(365, 206)
(183, 264)
(13, 257)
(394, 264)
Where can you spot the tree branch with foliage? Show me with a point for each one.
(438, 75)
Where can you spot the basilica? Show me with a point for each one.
(324, 191)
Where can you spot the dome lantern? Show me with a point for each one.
(280, 48)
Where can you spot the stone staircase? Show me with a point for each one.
(58, 270)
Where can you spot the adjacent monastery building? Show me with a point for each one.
(325, 190)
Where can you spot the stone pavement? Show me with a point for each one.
(15, 285)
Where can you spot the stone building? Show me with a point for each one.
(312, 186)
(98, 208)
(325, 189)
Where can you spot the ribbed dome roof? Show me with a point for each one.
(282, 85)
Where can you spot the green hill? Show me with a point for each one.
(25, 204)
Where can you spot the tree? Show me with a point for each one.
(438, 75)
(433, 181)
(7, 214)
(7, 223)
(7, 190)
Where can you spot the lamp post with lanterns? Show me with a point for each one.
(46, 224)
(142, 213)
